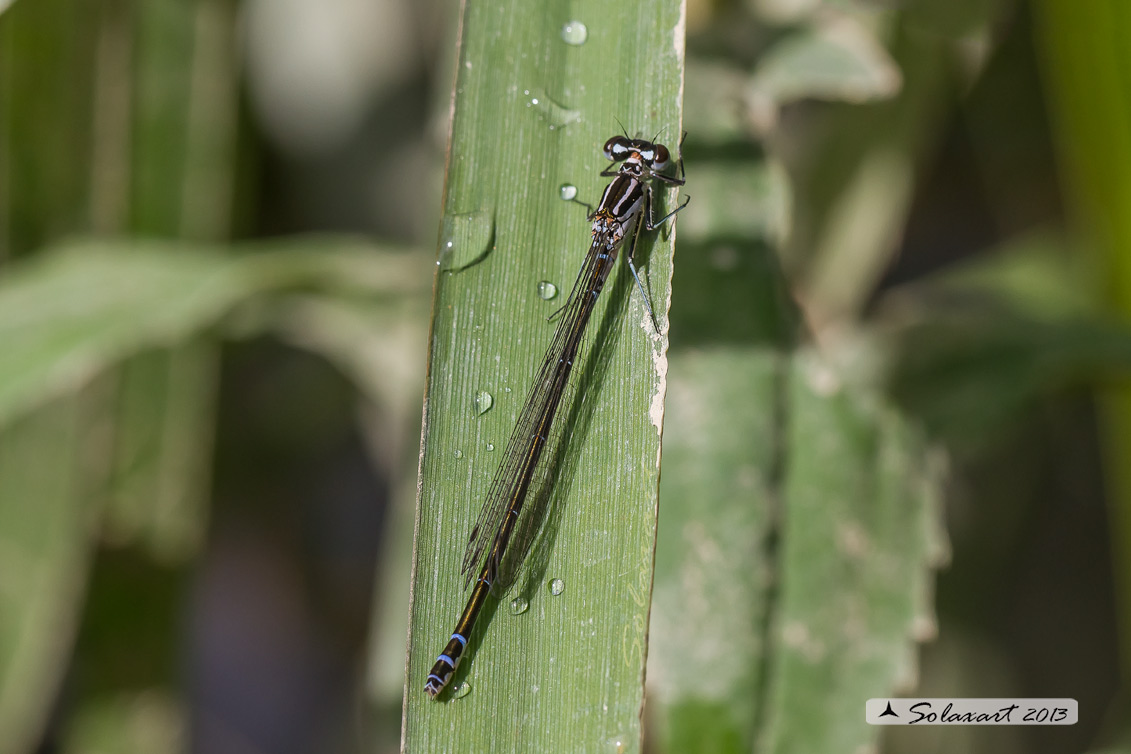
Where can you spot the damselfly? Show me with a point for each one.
(625, 207)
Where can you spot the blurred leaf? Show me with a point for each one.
(838, 60)
(165, 167)
(136, 133)
(787, 473)
(861, 535)
(162, 40)
(1086, 68)
(161, 477)
(1037, 276)
(800, 523)
(65, 148)
(861, 234)
(968, 376)
(182, 74)
(45, 547)
(46, 121)
(69, 315)
(714, 570)
(531, 111)
(835, 57)
(975, 344)
(858, 178)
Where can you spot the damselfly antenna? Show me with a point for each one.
(622, 129)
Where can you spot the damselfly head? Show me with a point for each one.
(618, 148)
(653, 156)
(659, 158)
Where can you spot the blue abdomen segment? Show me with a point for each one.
(446, 664)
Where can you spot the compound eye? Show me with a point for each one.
(616, 148)
(660, 158)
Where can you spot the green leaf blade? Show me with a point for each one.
(531, 113)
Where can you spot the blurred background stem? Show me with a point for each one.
(1087, 70)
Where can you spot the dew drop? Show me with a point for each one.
(519, 606)
(574, 33)
(465, 239)
(619, 745)
(490, 447)
(557, 586)
(567, 192)
(483, 402)
(461, 690)
(555, 114)
(547, 290)
(458, 454)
